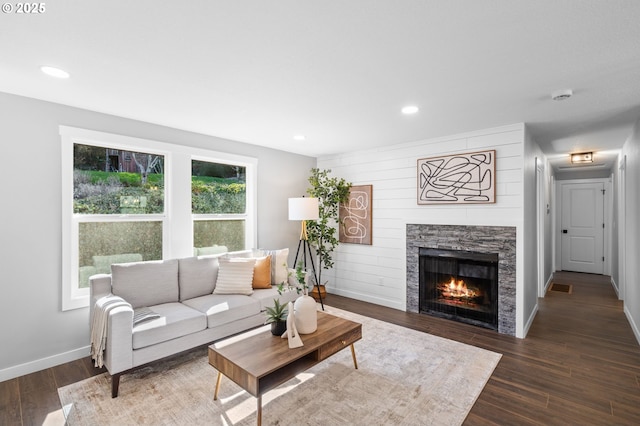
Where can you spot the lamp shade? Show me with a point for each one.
(303, 208)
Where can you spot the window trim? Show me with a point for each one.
(251, 235)
(177, 217)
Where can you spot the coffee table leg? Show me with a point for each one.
(215, 394)
(259, 413)
(353, 355)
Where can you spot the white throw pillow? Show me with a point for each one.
(235, 276)
(279, 267)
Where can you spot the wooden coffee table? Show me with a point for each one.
(258, 361)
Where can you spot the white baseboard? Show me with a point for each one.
(368, 298)
(527, 325)
(615, 287)
(634, 326)
(548, 283)
(42, 364)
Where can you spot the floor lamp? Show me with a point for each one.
(304, 209)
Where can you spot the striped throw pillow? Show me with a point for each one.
(235, 276)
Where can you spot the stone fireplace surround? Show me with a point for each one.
(484, 239)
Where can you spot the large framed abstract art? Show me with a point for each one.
(458, 179)
(355, 216)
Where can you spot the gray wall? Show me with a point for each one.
(35, 333)
(529, 237)
(583, 174)
(631, 150)
(615, 229)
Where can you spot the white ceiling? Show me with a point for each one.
(337, 71)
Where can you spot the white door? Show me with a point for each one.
(583, 227)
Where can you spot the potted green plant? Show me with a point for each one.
(330, 192)
(304, 307)
(277, 317)
(301, 283)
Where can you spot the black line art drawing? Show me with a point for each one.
(457, 179)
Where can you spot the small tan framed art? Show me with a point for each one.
(355, 216)
(467, 178)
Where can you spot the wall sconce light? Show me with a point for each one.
(582, 157)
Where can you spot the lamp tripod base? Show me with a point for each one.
(320, 292)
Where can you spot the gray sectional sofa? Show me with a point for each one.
(181, 304)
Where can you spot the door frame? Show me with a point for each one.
(608, 224)
(541, 209)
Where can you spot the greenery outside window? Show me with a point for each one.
(128, 199)
(219, 206)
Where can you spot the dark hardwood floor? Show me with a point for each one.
(579, 365)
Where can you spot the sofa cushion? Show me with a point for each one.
(146, 283)
(262, 273)
(279, 268)
(176, 320)
(223, 309)
(235, 276)
(266, 296)
(197, 276)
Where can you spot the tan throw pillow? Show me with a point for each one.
(262, 273)
(235, 276)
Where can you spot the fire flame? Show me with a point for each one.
(457, 289)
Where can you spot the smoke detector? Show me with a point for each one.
(561, 95)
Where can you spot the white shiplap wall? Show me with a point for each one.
(376, 273)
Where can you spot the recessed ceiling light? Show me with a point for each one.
(410, 109)
(54, 72)
(299, 137)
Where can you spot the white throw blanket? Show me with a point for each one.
(99, 325)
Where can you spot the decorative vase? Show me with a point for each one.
(306, 314)
(278, 328)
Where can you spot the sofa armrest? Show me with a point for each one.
(99, 286)
(118, 356)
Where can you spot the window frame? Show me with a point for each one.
(250, 236)
(177, 219)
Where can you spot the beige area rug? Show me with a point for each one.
(404, 377)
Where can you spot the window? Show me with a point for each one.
(218, 204)
(127, 199)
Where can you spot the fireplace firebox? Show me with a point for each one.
(459, 285)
